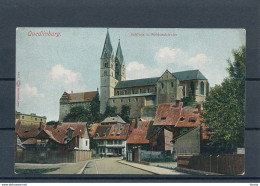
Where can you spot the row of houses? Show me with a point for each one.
(175, 129)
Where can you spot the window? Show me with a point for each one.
(133, 91)
(41, 119)
(192, 120)
(113, 101)
(202, 88)
(182, 119)
(129, 100)
(22, 117)
(171, 84)
(163, 118)
(35, 119)
(105, 65)
(148, 90)
(117, 93)
(136, 99)
(121, 100)
(105, 73)
(162, 85)
(125, 92)
(140, 91)
(86, 143)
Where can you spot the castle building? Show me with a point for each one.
(70, 100)
(116, 91)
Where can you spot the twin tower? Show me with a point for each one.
(112, 70)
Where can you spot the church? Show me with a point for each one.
(116, 91)
(138, 94)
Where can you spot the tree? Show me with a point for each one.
(79, 113)
(189, 100)
(110, 112)
(125, 112)
(224, 108)
(95, 109)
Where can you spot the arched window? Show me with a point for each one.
(171, 84)
(105, 64)
(201, 88)
(105, 73)
(162, 85)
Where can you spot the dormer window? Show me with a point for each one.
(192, 120)
(182, 119)
(163, 118)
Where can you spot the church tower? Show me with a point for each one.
(107, 74)
(120, 64)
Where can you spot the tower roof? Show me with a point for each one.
(107, 45)
(119, 53)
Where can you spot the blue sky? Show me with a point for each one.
(50, 65)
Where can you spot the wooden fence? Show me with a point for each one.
(51, 156)
(228, 164)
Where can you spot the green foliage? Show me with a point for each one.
(224, 108)
(189, 100)
(51, 122)
(110, 112)
(125, 112)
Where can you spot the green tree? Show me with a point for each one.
(189, 100)
(125, 112)
(110, 112)
(95, 110)
(224, 108)
(79, 113)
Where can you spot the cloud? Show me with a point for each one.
(67, 79)
(31, 95)
(166, 55)
(137, 70)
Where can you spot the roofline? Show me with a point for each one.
(81, 92)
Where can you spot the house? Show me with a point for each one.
(171, 121)
(70, 100)
(111, 136)
(60, 137)
(30, 119)
(116, 90)
(138, 136)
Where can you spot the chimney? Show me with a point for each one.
(177, 103)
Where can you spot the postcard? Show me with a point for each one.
(130, 101)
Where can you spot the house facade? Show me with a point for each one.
(111, 135)
(30, 119)
(116, 91)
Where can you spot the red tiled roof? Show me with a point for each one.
(81, 97)
(59, 134)
(189, 118)
(30, 141)
(167, 114)
(27, 131)
(94, 128)
(138, 135)
(112, 132)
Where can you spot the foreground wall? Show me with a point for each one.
(52, 156)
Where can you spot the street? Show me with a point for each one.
(110, 166)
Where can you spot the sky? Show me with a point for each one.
(50, 61)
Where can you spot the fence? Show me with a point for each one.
(228, 164)
(51, 156)
(149, 156)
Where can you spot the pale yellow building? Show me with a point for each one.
(30, 119)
